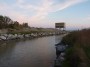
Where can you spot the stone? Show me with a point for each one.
(60, 48)
(2, 37)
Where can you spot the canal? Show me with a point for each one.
(37, 52)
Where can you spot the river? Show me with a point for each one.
(37, 52)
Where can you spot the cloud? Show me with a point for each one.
(23, 4)
(88, 18)
(42, 11)
(46, 7)
(65, 5)
(39, 12)
(3, 6)
(10, 11)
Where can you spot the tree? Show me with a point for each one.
(25, 25)
(1, 21)
(16, 25)
(5, 21)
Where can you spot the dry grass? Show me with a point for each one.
(80, 42)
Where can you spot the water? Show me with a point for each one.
(38, 52)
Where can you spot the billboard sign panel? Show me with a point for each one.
(60, 25)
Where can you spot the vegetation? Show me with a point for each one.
(6, 22)
(78, 53)
(14, 27)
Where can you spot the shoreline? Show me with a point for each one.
(60, 54)
(11, 37)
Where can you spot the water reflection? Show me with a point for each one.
(39, 52)
(58, 38)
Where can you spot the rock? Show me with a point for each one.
(58, 44)
(57, 63)
(27, 35)
(6, 35)
(20, 36)
(62, 54)
(15, 35)
(66, 45)
(2, 37)
(61, 58)
(60, 48)
(11, 36)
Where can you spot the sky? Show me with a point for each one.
(45, 13)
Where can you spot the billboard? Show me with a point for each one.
(60, 25)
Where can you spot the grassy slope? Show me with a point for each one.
(78, 55)
(27, 30)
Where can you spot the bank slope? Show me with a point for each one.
(78, 53)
